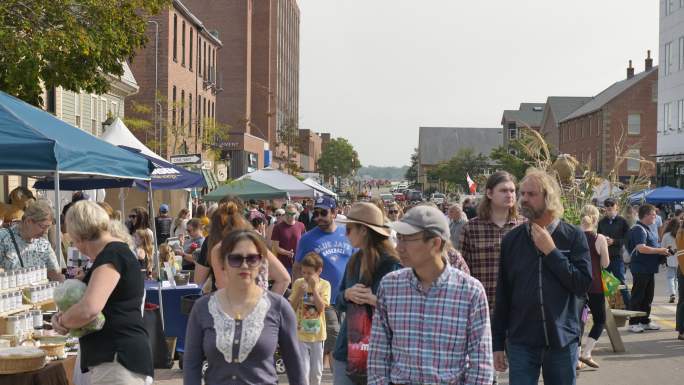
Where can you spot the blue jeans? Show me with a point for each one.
(557, 365)
(617, 267)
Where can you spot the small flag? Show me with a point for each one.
(471, 185)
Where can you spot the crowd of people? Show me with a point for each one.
(379, 293)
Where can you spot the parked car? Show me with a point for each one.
(414, 196)
(387, 198)
(438, 198)
(399, 197)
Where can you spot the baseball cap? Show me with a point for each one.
(421, 218)
(325, 202)
(164, 208)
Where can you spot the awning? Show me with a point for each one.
(211, 179)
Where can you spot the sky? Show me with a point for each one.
(373, 71)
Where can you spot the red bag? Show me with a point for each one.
(359, 320)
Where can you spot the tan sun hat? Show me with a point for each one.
(369, 215)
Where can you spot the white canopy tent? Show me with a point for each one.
(319, 189)
(281, 181)
(119, 135)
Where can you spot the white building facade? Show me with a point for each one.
(670, 152)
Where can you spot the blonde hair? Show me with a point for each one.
(86, 221)
(166, 253)
(590, 217)
(549, 187)
(38, 211)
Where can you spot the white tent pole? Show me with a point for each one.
(58, 233)
(122, 204)
(155, 252)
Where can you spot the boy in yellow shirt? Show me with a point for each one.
(309, 298)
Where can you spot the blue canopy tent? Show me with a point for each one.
(665, 194)
(35, 143)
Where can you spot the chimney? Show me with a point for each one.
(648, 62)
(630, 71)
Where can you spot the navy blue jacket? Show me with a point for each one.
(522, 304)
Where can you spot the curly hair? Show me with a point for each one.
(549, 187)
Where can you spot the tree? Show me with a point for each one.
(70, 43)
(288, 145)
(454, 170)
(509, 161)
(338, 159)
(412, 173)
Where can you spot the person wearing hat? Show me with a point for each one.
(429, 310)
(376, 256)
(329, 240)
(163, 224)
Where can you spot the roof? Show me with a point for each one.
(562, 106)
(200, 26)
(528, 114)
(439, 144)
(608, 94)
(127, 76)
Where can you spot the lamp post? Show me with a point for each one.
(156, 80)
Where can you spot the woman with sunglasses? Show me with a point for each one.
(394, 212)
(237, 328)
(368, 232)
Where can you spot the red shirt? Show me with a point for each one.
(288, 237)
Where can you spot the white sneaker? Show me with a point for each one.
(651, 326)
(636, 328)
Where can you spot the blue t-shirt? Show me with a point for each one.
(642, 263)
(653, 228)
(335, 250)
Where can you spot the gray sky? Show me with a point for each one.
(373, 71)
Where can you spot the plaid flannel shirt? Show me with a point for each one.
(438, 335)
(481, 248)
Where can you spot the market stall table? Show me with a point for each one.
(175, 322)
(53, 373)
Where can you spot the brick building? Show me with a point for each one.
(260, 66)
(556, 109)
(310, 148)
(628, 109)
(185, 79)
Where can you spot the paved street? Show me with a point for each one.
(655, 357)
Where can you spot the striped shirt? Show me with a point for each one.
(481, 248)
(435, 335)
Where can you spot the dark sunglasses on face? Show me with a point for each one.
(393, 211)
(320, 212)
(290, 214)
(236, 260)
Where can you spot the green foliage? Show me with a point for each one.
(389, 173)
(411, 174)
(288, 145)
(339, 159)
(514, 164)
(454, 170)
(68, 43)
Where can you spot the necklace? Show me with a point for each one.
(240, 309)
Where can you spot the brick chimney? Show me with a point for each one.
(630, 71)
(648, 63)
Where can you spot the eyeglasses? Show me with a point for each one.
(320, 212)
(279, 215)
(393, 211)
(236, 260)
(289, 214)
(404, 239)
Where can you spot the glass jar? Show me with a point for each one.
(17, 300)
(11, 280)
(12, 326)
(2, 303)
(3, 281)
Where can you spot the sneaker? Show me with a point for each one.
(636, 328)
(672, 298)
(651, 326)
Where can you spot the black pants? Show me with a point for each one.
(597, 305)
(680, 302)
(642, 296)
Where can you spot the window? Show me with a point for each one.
(173, 107)
(93, 114)
(183, 44)
(77, 108)
(670, 7)
(199, 115)
(634, 124)
(669, 58)
(680, 114)
(667, 119)
(190, 114)
(199, 54)
(204, 64)
(103, 110)
(182, 110)
(115, 109)
(175, 37)
(190, 55)
(512, 133)
(633, 160)
(681, 53)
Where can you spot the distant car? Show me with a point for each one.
(403, 186)
(387, 198)
(414, 196)
(399, 197)
(438, 198)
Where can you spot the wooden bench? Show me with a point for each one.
(616, 318)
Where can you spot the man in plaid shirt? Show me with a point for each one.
(431, 323)
(480, 242)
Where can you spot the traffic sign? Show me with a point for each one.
(186, 159)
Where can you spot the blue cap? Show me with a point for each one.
(164, 208)
(325, 202)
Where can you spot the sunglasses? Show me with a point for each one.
(320, 212)
(290, 214)
(279, 215)
(236, 260)
(393, 211)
